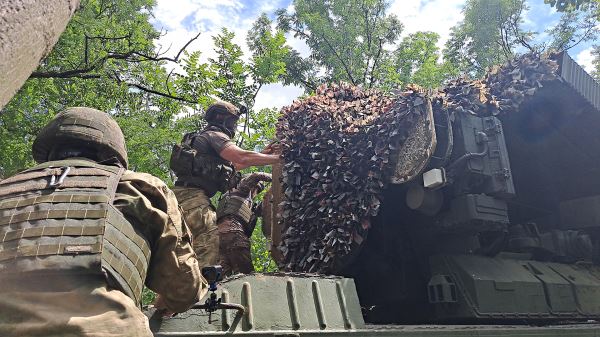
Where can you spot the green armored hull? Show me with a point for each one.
(313, 305)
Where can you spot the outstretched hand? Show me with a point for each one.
(272, 148)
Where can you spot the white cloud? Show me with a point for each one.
(276, 96)
(186, 18)
(428, 15)
(183, 19)
(585, 58)
(297, 44)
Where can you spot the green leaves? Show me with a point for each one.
(346, 39)
(269, 51)
(596, 62)
(261, 257)
(231, 73)
(492, 32)
(488, 35)
(417, 61)
(87, 67)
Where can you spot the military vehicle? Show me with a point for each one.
(494, 230)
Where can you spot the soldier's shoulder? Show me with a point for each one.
(129, 175)
(216, 134)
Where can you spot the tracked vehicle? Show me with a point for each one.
(492, 229)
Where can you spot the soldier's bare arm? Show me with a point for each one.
(242, 158)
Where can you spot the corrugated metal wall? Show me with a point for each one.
(580, 80)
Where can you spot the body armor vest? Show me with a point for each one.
(59, 217)
(195, 162)
(235, 205)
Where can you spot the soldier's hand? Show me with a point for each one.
(161, 307)
(268, 149)
(272, 148)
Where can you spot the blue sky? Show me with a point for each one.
(182, 19)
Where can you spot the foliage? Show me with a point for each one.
(87, 67)
(230, 72)
(261, 257)
(359, 42)
(492, 32)
(489, 34)
(417, 61)
(568, 5)
(596, 62)
(148, 296)
(577, 24)
(347, 39)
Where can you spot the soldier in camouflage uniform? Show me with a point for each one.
(236, 217)
(206, 162)
(81, 235)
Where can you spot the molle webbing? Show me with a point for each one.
(55, 171)
(45, 250)
(234, 205)
(33, 232)
(53, 214)
(121, 240)
(37, 179)
(195, 162)
(55, 199)
(75, 222)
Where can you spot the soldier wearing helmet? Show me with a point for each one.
(236, 218)
(206, 162)
(82, 235)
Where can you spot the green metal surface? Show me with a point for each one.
(580, 330)
(502, 288)
(275, 302)
(312, 305)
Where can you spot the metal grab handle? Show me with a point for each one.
(240, 308)
(61, 179)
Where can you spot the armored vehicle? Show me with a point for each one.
(492, 229)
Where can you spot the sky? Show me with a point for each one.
(180, 20)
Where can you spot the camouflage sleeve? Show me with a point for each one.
(152, 208)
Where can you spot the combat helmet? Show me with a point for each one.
(224, 115)
(220, 108)
(85, 126)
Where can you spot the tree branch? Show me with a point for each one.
(377, 58)
(76, 73)
(163, 94)
(175, 59)
(127, 56)
(340, 59)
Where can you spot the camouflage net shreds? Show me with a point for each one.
(503, 89)
(337, 145)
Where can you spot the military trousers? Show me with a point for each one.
(234, 251)
(201, 218)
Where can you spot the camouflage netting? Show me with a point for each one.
(337, 146)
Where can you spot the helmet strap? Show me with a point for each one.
(223, 128)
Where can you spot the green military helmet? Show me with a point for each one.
(83, 126)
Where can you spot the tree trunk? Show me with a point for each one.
(28, 31)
